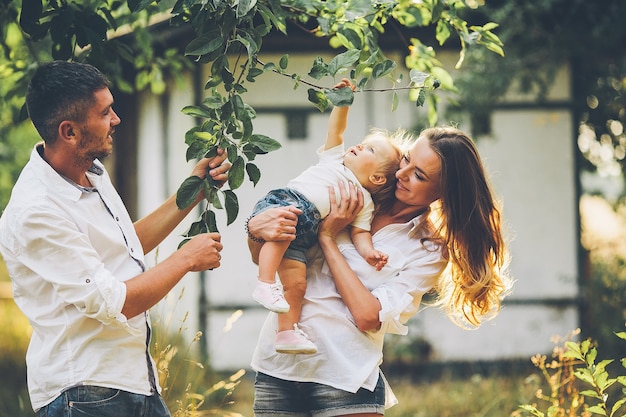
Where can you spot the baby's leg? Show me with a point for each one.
(270, 257)
(293, 277)
(267, 292)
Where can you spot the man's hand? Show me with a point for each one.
(203, 251)
(275, 224)
(217, 167)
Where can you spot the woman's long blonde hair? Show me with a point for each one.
(471, 289)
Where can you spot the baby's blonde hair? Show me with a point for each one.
(384, 194)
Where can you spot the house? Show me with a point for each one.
(530, 155)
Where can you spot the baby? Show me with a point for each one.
(371, 165)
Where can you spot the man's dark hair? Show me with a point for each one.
(59, 91)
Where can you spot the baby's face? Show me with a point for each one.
(365, 159)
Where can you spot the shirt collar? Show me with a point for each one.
(59, 184)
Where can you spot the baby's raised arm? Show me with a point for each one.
(338, 119)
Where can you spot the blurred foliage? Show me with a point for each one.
(603, 236)
(541, 38)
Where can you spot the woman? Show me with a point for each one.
(443, 219)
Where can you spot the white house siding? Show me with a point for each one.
(529, 155)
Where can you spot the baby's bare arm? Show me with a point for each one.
(362, 240)
(338, 119)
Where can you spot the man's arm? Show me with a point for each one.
(200, 253)
(157, 225)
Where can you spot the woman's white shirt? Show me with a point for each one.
(347, 358)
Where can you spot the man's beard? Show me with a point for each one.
(92, 154)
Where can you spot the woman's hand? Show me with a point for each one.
(341, 213)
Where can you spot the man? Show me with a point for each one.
(76, 259)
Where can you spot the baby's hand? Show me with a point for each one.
(345, 82)
(377, 259)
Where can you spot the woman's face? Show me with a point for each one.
(419, 176)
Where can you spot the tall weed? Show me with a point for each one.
(579, 385)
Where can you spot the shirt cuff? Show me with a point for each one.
(113, 294)
(390, 312)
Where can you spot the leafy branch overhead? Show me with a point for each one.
(228, 36)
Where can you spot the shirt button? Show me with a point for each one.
(87, 280)
(132, 250)
(117, 219)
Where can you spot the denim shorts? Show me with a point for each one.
(93, 401)
(308, 221)
(275, 397)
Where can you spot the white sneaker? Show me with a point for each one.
(294, 341)
(270, 296)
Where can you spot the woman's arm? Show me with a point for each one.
(363, 305)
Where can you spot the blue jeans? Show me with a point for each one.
(308, 221)
(93, 401)
(274, 397)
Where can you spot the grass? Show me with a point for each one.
(447, 396)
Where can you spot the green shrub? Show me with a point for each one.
(578, 384)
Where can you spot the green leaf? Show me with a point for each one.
(244, 6)
(340, 97)
(248, 41)
(284, 61)
(211, 193)
(197, 111)
(409, 17)
(236, 173)
(590, 393)
(394, 101)
(205, 44)
(188, 192)
(443, 32)
(138, 5)
(238, 106)
(618, 404)
(232, 206)
(197, 149)
(318, 99)
(343, 61)
(273, 14)
(596, 409)
(584, 375)
(349, 38)
(383, 68)
(208, 218)
(319, 69)
(253, 73)
(421, 98)
(253, 173)
(265, 143)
